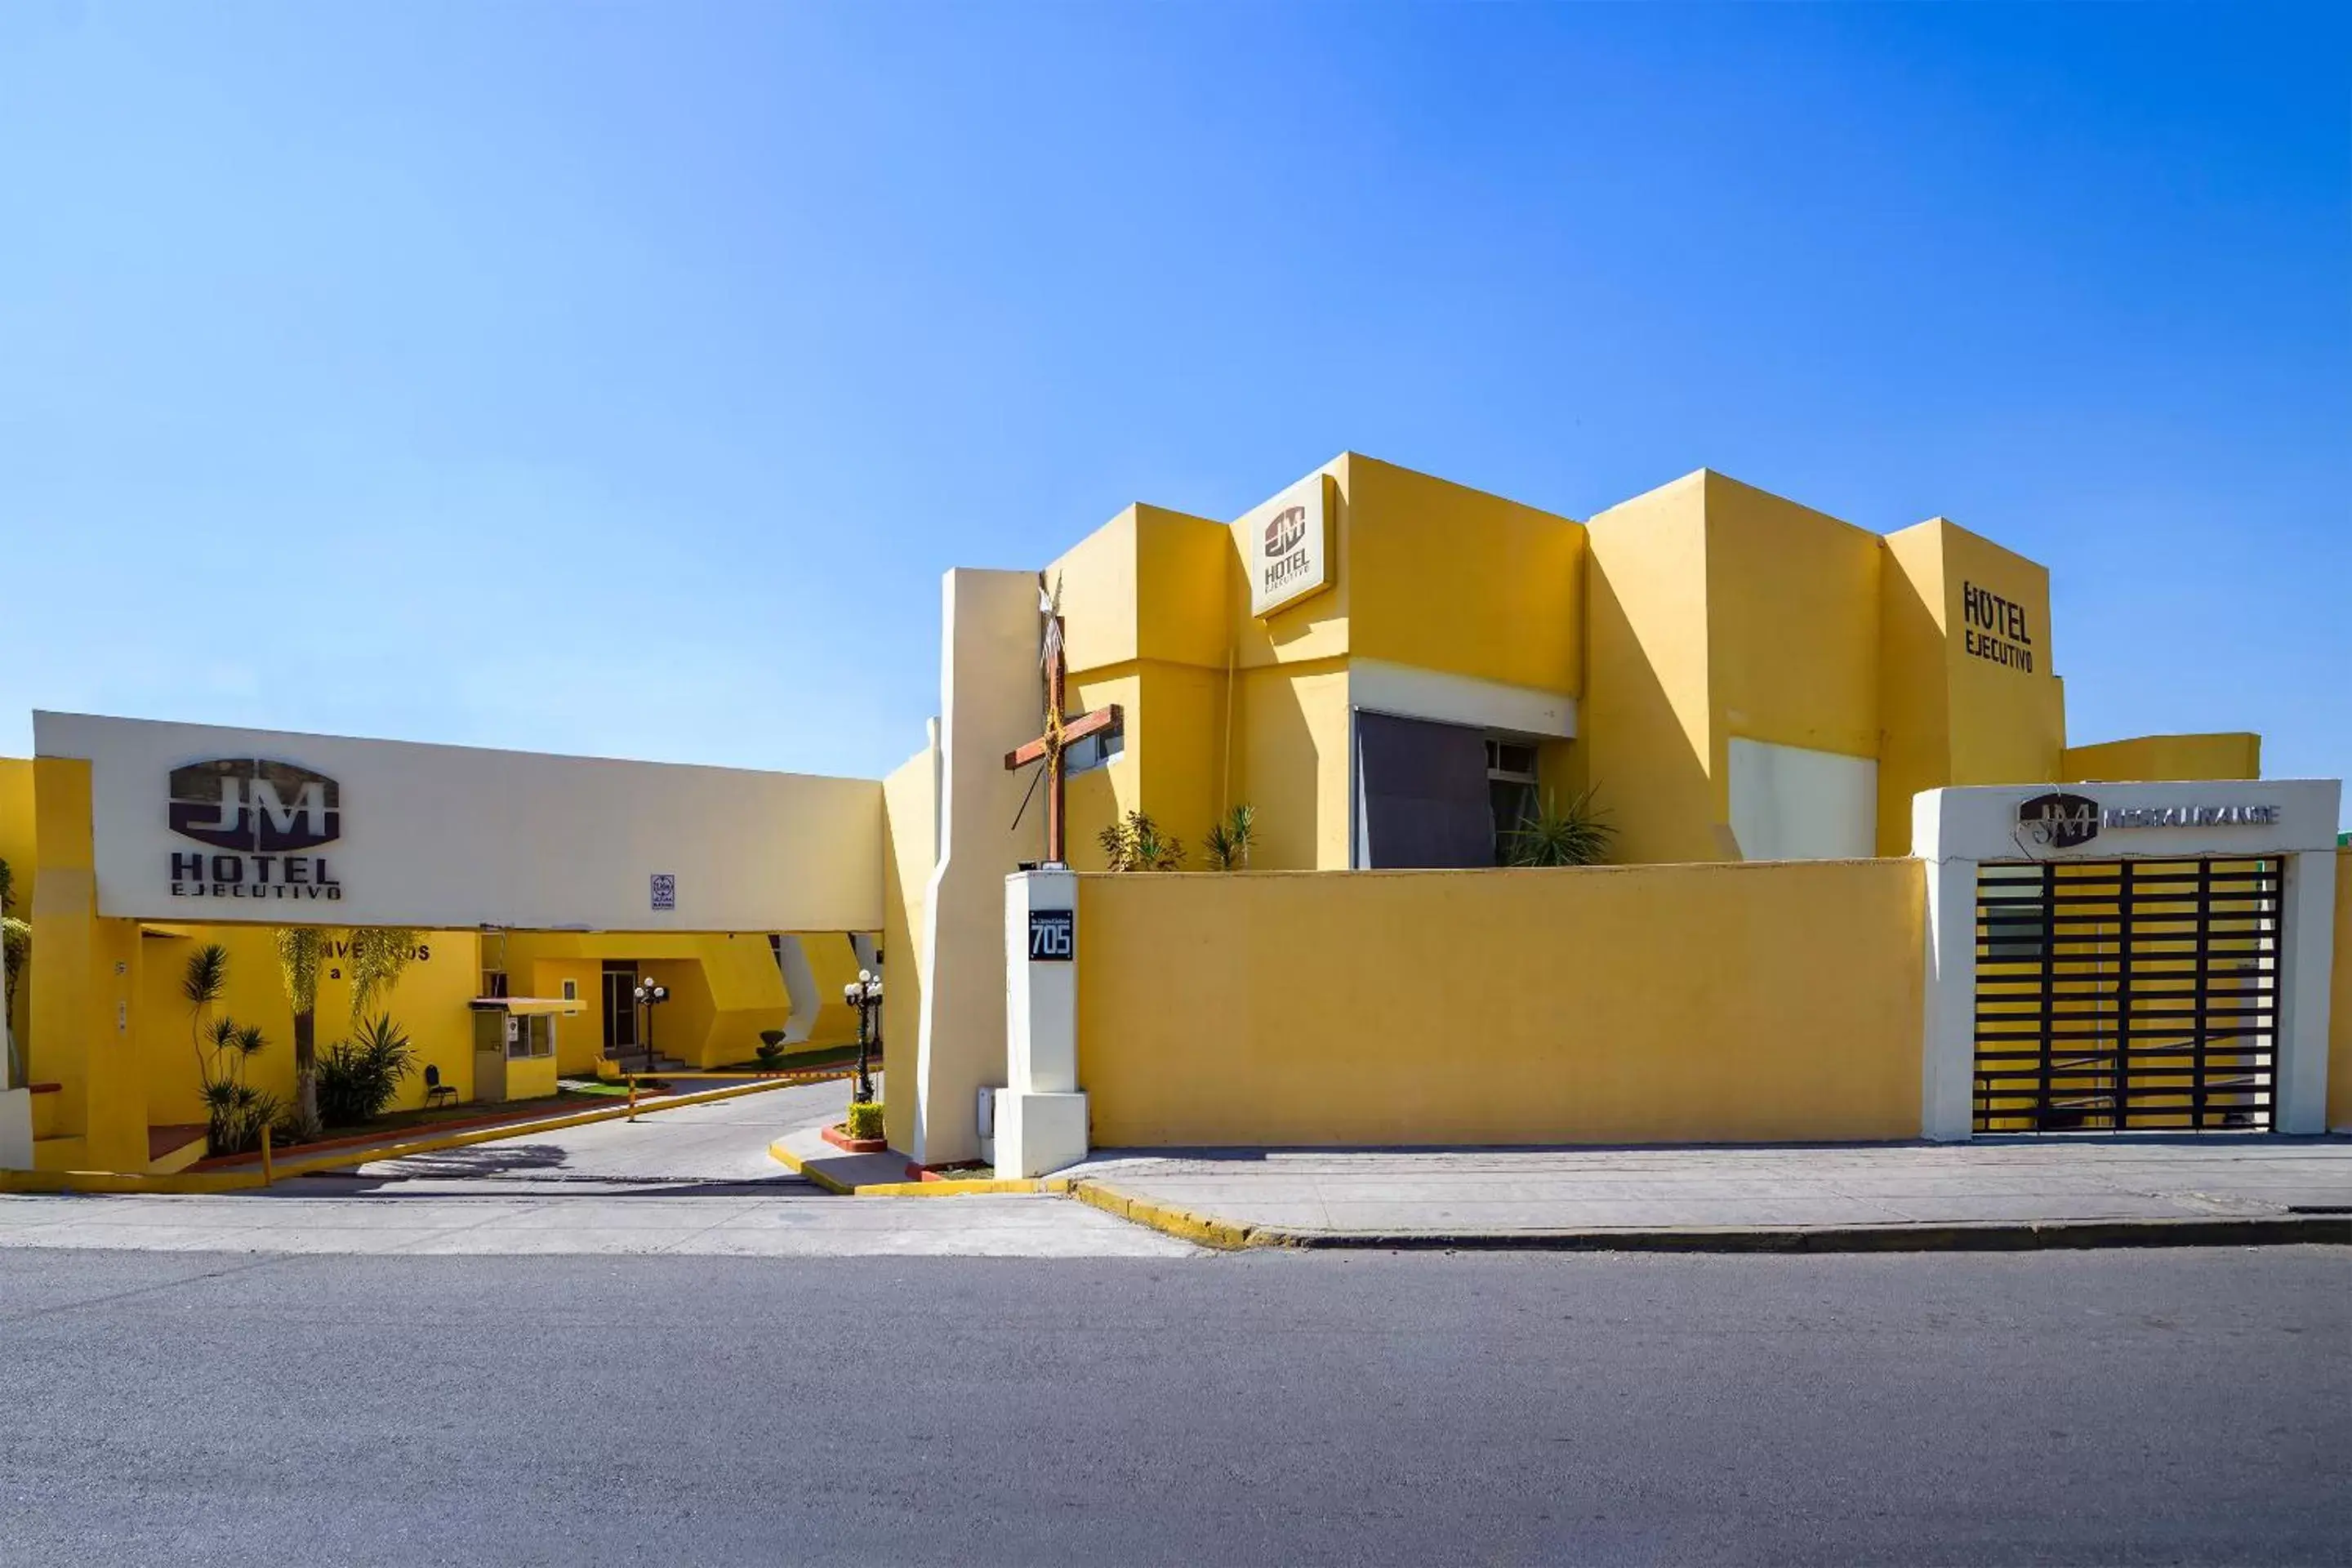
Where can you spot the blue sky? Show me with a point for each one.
(619, 378)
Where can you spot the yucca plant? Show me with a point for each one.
(1135, 843)
(1228, 842)
(1576, 837)
(202, 981)
(15, 950)
(359, 1077)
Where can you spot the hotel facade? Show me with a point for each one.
(1860, 884)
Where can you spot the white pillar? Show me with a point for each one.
(1041, 1117)
(1948, 1036)
(2306, 960)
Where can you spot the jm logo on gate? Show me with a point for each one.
(2058, 820)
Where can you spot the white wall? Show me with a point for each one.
(1792, 803)
(992, 699)
(453, 836)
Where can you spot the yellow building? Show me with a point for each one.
(1392, 672)
(1733, 676)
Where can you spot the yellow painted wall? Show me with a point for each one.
(2340, 1014)
(1444, 577)
(724, 989)
(1914, 680)
(1792, 623)
(2008, 726)
(429, 1003)
(2146, 758)
(1291, 740)
(1649, 733)
(1672, 1003)
(909, 848)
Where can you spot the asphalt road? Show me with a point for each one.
(2087, 1407)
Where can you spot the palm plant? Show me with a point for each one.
(1228, 841)
(299, 949)
(16, 941)
(201, 984)
(235, 1112)
(378, 956)
(1135, 843)
(1576, 837)
(361, 1075)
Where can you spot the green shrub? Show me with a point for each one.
(772, 1048)
(865, 1119)
(358, 1077)
(235, 1114)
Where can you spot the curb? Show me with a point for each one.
(1229, 1235)
(970, 1187)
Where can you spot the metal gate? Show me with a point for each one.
(2126, 995)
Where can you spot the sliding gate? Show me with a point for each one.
(2124, 994)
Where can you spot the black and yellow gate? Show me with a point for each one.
(2127, 994)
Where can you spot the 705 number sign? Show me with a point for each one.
(1053, 936)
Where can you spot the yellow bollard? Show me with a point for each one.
(633, 1097)
(268, 1172)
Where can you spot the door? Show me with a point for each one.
(620, 1007)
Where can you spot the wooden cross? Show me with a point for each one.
(1063, 731)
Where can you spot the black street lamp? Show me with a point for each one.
(865, 994)
(648, 995)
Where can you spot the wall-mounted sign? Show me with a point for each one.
(259, 812)
(1053, 936)
(1286, 544)
(2061, 821)
(665, 890)
(1995, 629)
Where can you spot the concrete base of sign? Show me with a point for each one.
(15, 1129)
(1037, 1134)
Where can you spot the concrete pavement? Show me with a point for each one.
(1869, 1195)
(692, 1181)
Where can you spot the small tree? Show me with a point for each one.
(1576, 837)
(299, 950)
(16, 941)
(1135, 843)
(1228, 843)
(361, 1075)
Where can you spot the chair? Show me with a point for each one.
(435, 1091)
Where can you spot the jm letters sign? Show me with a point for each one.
(1053, 936)
(1286, 543)
(255, 817)
(2061, 821)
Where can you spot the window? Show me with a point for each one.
(532, 1036)
(1103, 746)
(572, 991)
(1510, 791)
(494, 983)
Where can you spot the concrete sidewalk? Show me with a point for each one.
(2029, 1192)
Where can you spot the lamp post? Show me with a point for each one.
(648, 995)
(865, 994)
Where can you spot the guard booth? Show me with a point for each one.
(514, 1046)
(2117, 958)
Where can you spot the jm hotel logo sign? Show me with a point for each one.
(1287, 551)
(258, 816)
(2062, 821)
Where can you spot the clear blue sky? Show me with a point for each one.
(620, 377)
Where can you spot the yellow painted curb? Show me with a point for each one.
(1201, 1230)
(950, 1188)
(127, 1182)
